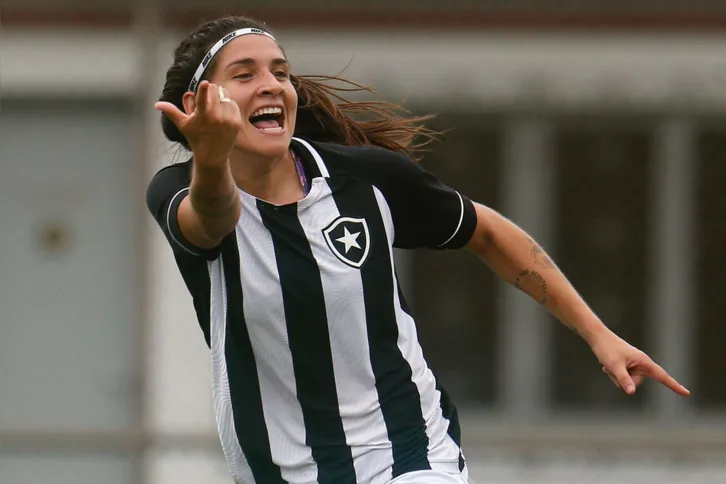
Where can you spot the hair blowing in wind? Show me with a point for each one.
(325, 113)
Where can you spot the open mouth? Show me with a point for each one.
(269, 120)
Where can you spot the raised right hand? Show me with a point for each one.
(211, 129)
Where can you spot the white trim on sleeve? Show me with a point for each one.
(461, 219)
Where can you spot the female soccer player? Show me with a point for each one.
(285, 244)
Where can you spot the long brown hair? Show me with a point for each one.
(324, 112)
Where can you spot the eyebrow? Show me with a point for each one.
(248, 61)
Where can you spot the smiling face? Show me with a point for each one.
(256, 75)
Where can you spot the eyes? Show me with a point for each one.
(246, 76)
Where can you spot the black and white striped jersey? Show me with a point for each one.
(318, 376)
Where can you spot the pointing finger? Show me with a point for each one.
(662, 376)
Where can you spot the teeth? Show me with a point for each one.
(279, 128)
(262, 111)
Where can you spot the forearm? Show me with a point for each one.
(214, 199)
(519, 260)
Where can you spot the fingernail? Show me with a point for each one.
(630, 389)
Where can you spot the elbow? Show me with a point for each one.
(483, 236)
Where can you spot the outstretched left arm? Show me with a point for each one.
(519, 260)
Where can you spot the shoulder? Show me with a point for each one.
(424, 211)
(366, 162)
(166, 183)
(178, 172)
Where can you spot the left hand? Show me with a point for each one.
(628, 367)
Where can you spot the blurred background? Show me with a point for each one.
(598, 126)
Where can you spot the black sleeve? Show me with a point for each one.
(425, 212)
(163, 196)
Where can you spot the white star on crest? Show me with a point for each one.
(349, 240)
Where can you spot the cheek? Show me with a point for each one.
(239, 92)
(291, 94)
(292, 102)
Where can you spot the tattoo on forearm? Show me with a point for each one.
(539, 256)
(533, 284)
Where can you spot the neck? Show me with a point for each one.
(274, 180)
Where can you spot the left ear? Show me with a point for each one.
(189, 102)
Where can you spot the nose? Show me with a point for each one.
(270, 85)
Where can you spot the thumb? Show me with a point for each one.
(624, 380)
(172, 112)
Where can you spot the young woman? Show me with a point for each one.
(285, 244)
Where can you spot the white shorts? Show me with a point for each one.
(432, 477)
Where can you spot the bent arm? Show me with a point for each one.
(194, 207)
(519, 260)
(212, 208)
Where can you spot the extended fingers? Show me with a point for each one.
(214, 102)
(660, 375)
(629, 382)
(202, 99)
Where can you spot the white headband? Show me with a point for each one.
(216, 48)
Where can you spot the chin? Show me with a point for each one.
(266, 145)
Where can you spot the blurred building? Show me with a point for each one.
(600, 127)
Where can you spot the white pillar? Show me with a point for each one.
(524, 362)
(179, 378)
(673, 258)
(179, 418)
(143, 28)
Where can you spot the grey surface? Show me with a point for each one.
(68, 262)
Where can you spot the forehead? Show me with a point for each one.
(258, 47)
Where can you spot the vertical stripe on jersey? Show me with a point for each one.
(307, 329)
(399, 397)
(244, 386)
(365, 429)
(442, 446)
(267, 329)
(238, 465)
(448, 409)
